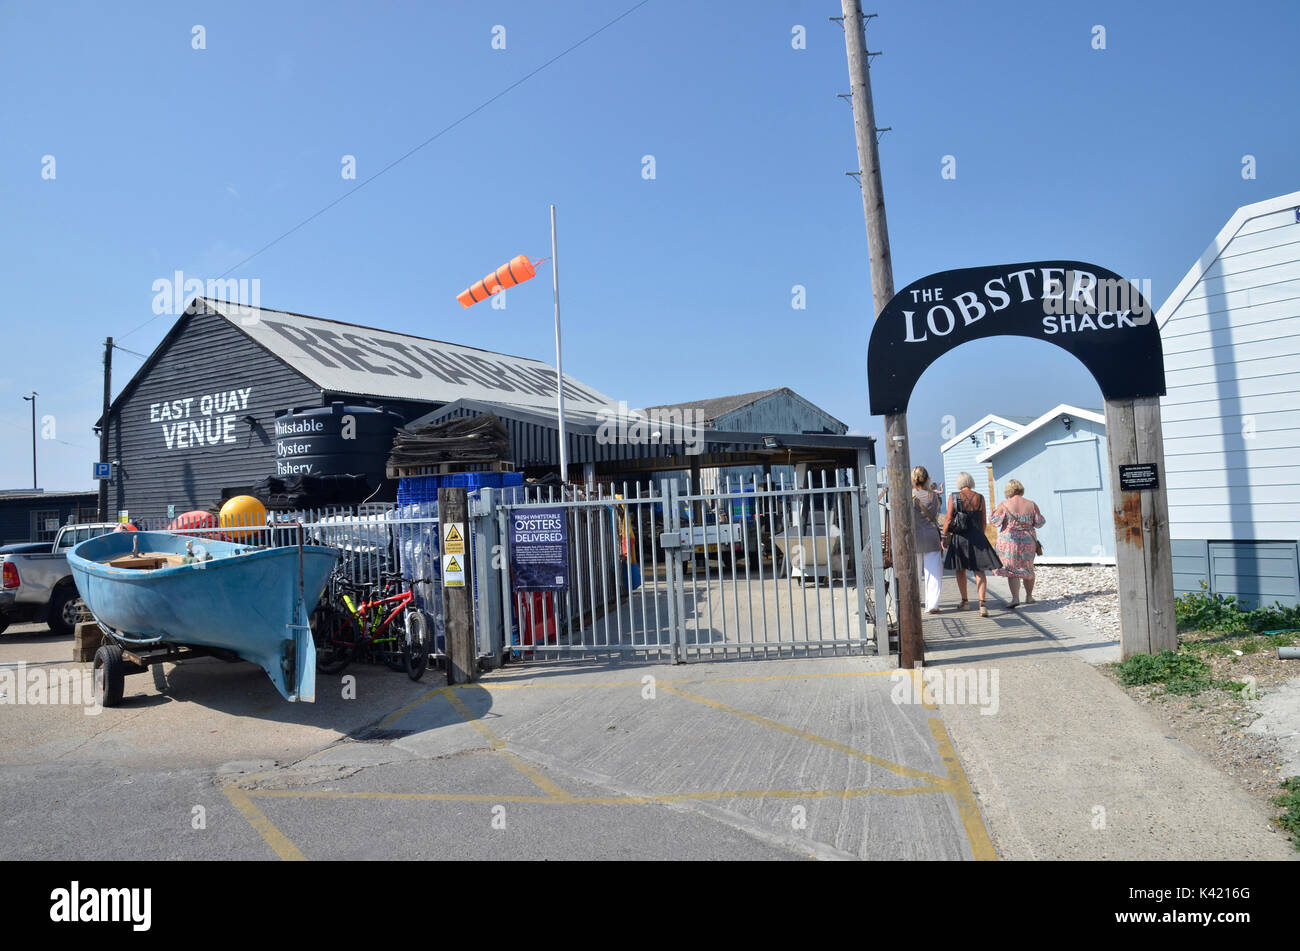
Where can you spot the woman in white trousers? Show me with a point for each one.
(929, 557)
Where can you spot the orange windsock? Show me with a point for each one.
(516, 271)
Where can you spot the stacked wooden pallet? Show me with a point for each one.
(447, 468)
(86, 639)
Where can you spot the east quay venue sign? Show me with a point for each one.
(1100, 317)
(209, 419)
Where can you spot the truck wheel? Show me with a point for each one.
(64, 610)
(110, 678)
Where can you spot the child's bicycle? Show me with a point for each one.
(355, 621)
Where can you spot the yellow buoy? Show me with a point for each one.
(243, 511)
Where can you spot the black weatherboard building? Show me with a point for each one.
(28, 515)
(197, 422)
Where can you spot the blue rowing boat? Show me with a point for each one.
(161, 588)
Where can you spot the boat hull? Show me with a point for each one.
(244, 600)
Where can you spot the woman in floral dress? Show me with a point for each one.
(1017, 520)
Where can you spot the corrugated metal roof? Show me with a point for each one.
(719, 406)
(10, 494)
(382, 364)
(534, 437)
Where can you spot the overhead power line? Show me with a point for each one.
(429, 141)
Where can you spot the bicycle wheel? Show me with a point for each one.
(332, 630)
(415, 642)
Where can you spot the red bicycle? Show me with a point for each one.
(356, 621)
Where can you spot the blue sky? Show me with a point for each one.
(676, 288)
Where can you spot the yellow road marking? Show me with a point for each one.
(490, 685)
(923, 690)
(955, 784)
(605, 800)
(981, 846)
(708, 680)
(844, 748)
(403, 711)
(272, 836)
(528, 769)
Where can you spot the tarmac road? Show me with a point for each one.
(786, 759)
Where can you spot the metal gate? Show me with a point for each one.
(671, 571)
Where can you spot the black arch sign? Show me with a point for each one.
(1087, 310)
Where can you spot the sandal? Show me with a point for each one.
(965, 605)
(984, 612)
(1014, 604)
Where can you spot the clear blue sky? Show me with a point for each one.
(678, 288)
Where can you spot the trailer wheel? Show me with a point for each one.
(110, 677)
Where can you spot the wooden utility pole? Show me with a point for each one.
(1143, 552)
(103, 427)
(457, 586)
(911, 645)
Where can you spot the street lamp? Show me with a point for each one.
(32, 399)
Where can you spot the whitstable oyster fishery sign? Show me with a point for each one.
(1090, 311)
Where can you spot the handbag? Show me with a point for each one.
(1038, 547)
(960, 521)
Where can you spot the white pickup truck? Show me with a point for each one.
(37, 585)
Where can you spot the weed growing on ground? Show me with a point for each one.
(1179, 673)
(1202, 611)
(1289, 802)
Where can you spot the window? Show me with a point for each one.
(45, 525)
(77, 536)
(988, 438)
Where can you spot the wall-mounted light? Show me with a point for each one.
(1067, 421)
(771, 442)
(973, 440)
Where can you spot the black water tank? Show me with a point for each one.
(335, 440)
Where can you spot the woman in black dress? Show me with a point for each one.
(969, 549)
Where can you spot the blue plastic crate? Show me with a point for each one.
(411, 489)
(425, 488)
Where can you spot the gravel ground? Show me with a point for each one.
(1085, 593)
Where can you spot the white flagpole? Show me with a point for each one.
(559, 363)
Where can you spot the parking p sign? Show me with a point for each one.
(103, 470)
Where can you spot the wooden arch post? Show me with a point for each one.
(1102, 320)
(1143, 552)
(898, 457)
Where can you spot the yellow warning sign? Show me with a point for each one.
(453, 539)
(453, 572)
